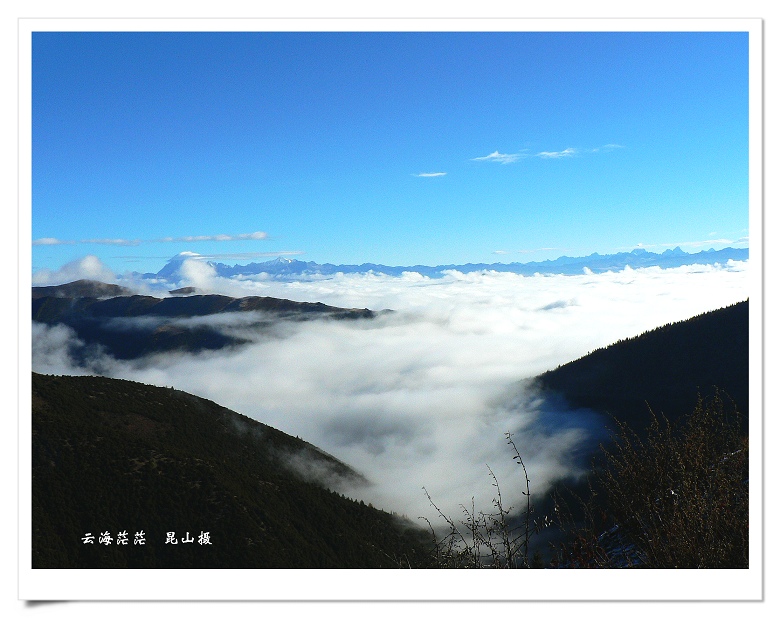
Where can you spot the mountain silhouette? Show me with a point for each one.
(290, 269)
(129, 326)
(665, 369)
(117, 458)
(83, 288)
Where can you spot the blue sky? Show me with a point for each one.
(395, 148)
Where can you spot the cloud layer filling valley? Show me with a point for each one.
(423, 396)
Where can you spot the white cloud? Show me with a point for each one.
(88, 267)
(52, 346)
(429, 174)
(498, 157)
(248, 255)
(568, 152)
(546, 154)
(216, 237)
(121, 242)
(424, 395)
(133, 243)
(51, 241)
(607, 148)
(199, 274)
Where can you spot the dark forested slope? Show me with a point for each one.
(113, 456)
(665, 368)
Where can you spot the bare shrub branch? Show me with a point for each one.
(486, 540)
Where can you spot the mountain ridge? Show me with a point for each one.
(131, 325)
(664, 369)
(82, 288)
(286, 268)
(117, 456)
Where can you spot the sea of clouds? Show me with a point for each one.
(423, 396)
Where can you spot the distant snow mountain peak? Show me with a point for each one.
(289, 269)
(171, 271)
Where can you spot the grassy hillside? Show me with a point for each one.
(117, 456)
(664, 368)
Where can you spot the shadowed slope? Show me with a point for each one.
(664, 368)
(117, 456)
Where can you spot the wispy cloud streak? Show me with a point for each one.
(245, 256)
(119, 242)
(52, 242)
(216, 237)
(568, 152)
(429, 174)
(123, 242)
(607, 148)
(498, 157)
